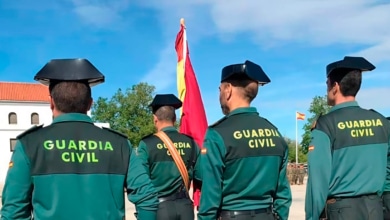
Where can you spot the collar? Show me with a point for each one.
(169, 128)
(72, 117)
(242, 110)
(344, 105)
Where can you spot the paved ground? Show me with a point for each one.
(297, 211)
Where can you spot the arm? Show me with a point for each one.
(212, 165)
(17, 192)
(140, 190)
(319, 171)
(387, 182)
(282, 200)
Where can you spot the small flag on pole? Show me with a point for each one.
(300, 116)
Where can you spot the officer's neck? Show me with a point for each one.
(163, 124)
(238, 104)
(343, 99)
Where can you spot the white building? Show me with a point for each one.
(22, 105)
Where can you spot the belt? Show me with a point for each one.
(334, 199)
(174, 196)
(226, 213)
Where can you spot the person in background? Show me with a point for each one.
(244, 157)
(175, 202)
(348, 153)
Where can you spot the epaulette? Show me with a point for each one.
(218, 122)
(270, 123)
(116, 132)
(149, 135)
(314, 124)
(28, 131)
(376, 112)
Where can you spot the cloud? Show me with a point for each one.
(309, 22)
(100, 13)
(163, 74)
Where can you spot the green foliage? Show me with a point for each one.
(127, 112)
(318, 106)
(302, 157)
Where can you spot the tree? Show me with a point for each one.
(302, 158)
(127, 112)
(318, 106)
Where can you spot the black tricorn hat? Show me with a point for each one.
(165, 100)
(348, 64)
(79, 70)
(247, 69)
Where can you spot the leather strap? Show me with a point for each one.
(176, 157)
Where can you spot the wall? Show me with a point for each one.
(23, 111)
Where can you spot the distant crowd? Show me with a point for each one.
(296, 173)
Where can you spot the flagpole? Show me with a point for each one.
(296, 138)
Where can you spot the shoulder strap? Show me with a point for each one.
(176, 157)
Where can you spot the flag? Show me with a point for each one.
(300, 116)
(193, 120)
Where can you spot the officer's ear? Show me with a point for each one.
(155, 119)
(90, 104)
(51, 103)
(226, 89)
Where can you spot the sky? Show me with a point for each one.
(132, 41)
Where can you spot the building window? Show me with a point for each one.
(12, 118)
(12, 143)
(34, 119)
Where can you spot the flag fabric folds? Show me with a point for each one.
(193, 120)
(300, 116)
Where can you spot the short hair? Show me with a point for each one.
(71, 97)
(349, 82)
(165, 113)
(249, 91)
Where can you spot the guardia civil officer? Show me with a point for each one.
(244, 159)
(386, 195)
(348, 152)
(72, 169)
(174, 199)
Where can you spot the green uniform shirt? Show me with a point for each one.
(75, 170)
(243, 166)
(347, 156)
(160, 165)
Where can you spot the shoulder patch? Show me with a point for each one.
(218, 122)
(116, 132)
(30, 130)
(149, 135)
(314, 124)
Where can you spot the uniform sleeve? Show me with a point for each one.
(387, 182)
(282, 200)
(17, 192)
(319, 171)
(143, 155)
(197, 168)
(212, 165)
(140, 189)
(197, 178)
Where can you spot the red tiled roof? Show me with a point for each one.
(24, 92)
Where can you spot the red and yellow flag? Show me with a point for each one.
(193, 120)
(300, 116)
